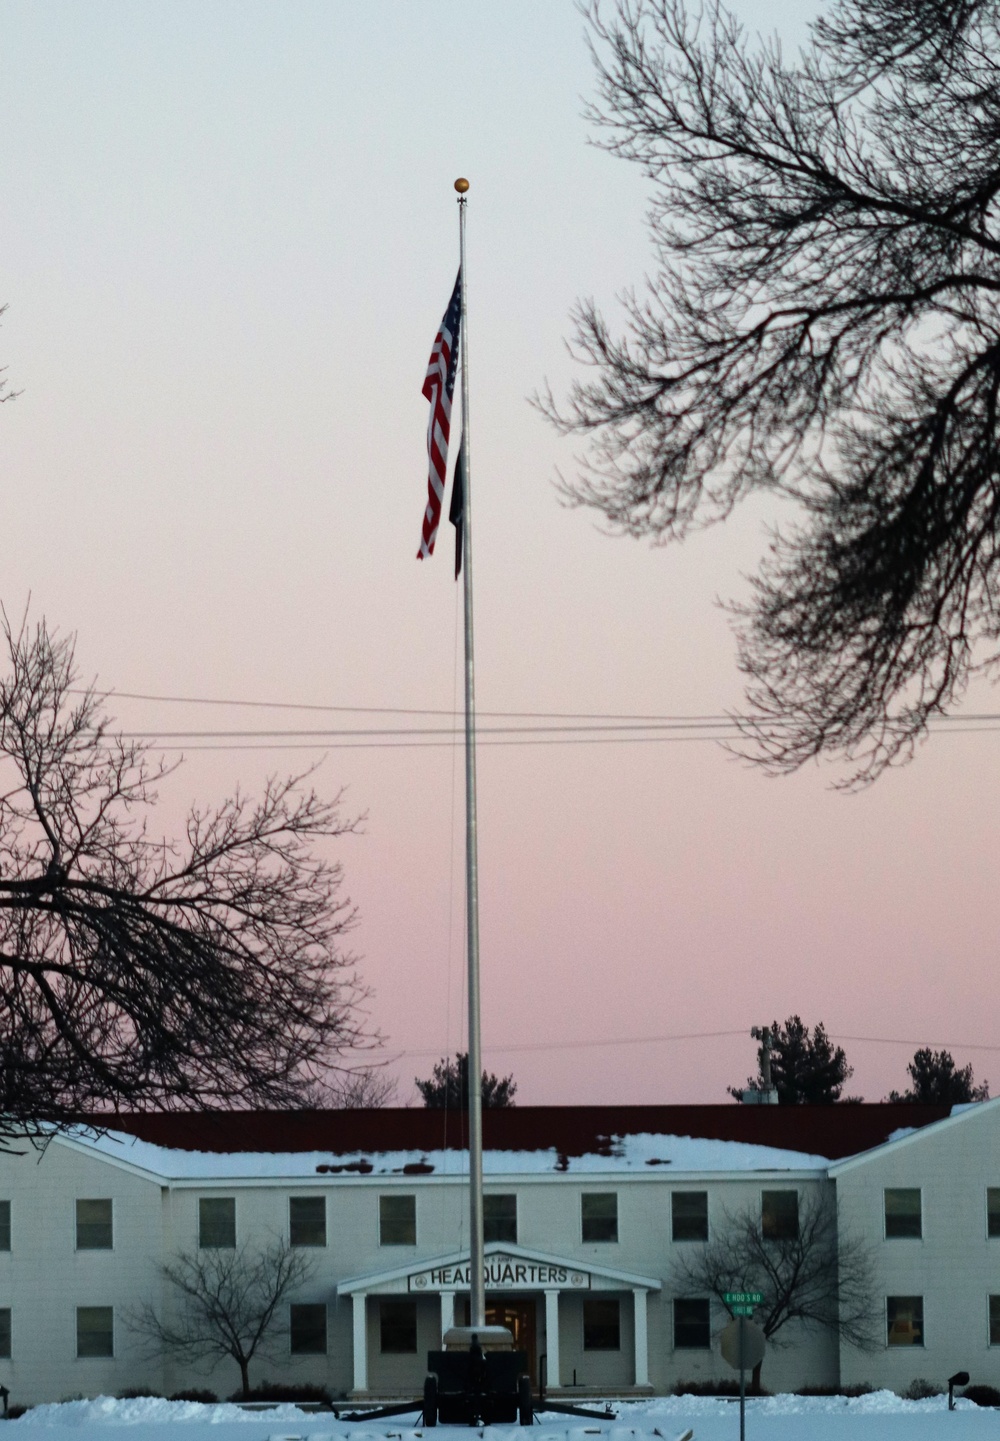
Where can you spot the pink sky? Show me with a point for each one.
(229, 235)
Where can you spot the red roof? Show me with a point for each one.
(830, 1131)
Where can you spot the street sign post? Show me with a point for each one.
(743, 1344)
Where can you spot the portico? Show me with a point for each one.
(557, 1288)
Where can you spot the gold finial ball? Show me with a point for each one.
(461, 185)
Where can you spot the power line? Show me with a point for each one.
(594, 1043)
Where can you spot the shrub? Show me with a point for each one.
(132, 1393)
(921, 1390)
(863, 1388)
(280, 1391)
(207, 1398)
(714, 1388)
(982, 1395)
(13, 1412)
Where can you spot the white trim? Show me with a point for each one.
(372, 1281)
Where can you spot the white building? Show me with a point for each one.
(587, 1211)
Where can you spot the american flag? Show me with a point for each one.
(439, 387)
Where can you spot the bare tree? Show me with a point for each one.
(223, 1303)
(364, 1088)
(811, 1272)
(137, 971)
(823, 324)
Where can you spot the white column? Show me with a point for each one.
(447, 1312)
(641, 1338)
(360, 1342)
(552, 1337)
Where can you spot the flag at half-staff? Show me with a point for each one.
(439, 387)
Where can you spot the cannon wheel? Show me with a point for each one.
(525, 1409)
(430, 1401)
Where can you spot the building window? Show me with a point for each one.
(995, 1320)
(5, 1332)
(599, 1216)
(602, 1325)
(993, 1210)
(904, 1320)
(95, 1331)
(307, 1220)
(689, 1214)
(779, 1215)
(692, 1326)
(4, 1225)
(397, 1221)
(398, 1327)
(307, 1330)
(217, 1223)
(500, 1218)
(902, 1213)
(93, 1225)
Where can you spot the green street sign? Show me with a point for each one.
(739, 1310)
(743, 1298)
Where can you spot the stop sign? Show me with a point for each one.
(754, 1344)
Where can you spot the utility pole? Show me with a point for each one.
(764, 1094)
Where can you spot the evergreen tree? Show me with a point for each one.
(806, 1070)
(936, 1081)
(448, 1085)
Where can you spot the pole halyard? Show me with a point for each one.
(477, 1285)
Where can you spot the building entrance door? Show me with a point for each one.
(519, 1318)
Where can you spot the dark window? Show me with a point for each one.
(397, 1220)
(779, 1215)
(993, 1211)
(307, 1330)
(599, 1218)
(902, 1213)
(690, 1215)
(93, 1226)
(5, 1332)
(217, 1223)
(602, 1326)
(4, 1225)
(500, 1218)
(398, 1327)
(95, 1331)
(904, 1320)
(994, 1321)
(307, 1220)
(692, 1327)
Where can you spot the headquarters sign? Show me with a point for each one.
(501, 1273)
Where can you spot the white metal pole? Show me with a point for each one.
(477, 1288)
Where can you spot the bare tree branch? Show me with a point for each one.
(821, 1277)
(139, 972)
(223, 1303)
(822, 323)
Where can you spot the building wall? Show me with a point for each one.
(953, 1265)
(46, 1278)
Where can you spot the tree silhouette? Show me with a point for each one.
(138, 971)
(822, 324)
(449, 1085)
(806, 1070)
(935, 1080)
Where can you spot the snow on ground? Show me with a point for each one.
(879, 1417)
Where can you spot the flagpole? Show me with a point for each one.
(477, 1286)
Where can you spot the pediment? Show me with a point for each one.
(508, 1268)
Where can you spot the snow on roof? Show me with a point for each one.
(642, 1153)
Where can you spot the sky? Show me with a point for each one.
(228, 234)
